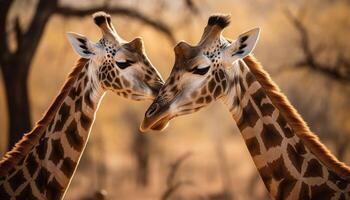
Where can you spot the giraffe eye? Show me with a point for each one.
(200, 70)
(124, 64)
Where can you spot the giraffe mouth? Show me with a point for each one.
(156, 118)
(158, 124)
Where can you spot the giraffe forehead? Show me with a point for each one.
(185, 64)
(210, 53)
(216, 47)
(107, 44)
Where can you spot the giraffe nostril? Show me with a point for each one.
(154, 107)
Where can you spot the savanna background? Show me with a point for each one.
(304, 45)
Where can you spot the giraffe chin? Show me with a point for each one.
(158, 125)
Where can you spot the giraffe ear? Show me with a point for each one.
(81, 45)
(245, 44)
(135, 45)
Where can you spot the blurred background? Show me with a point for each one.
(304, 45)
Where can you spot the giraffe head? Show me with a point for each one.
(201, 73)
(119, 66)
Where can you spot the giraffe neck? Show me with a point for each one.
(47, 169)
(286, 165)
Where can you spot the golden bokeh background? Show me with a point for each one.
(218, 162)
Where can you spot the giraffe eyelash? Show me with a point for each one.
(200, 69)
(124, 64)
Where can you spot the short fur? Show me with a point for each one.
(295, 120)
(22, 148)
(220, 20)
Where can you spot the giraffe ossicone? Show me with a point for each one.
(42, 163)
(290, 159)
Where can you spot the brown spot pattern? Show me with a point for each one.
(64, 113)
(321, 192)
(285, 188)
(265, 174)
(16, 180)
(68, 167)
(42, 179)
(3, 193)
(314, 169)
(74, 92)
(73, 137)
(296, 158)
(78, 104)
(243, 89)
(211, 85)
(87, 99)
(281, 173)
(57, 152)
(217, 91)
(258, 96)
(250, 79)
(283, 124)
(54, 190)
(253, 146)
(304, 192)
(85, 121)
(42, 148)
(267, 109)
(300, 147)
(27, 193)
(249, 117)
(270, 136)
(334, 178)
(31, 164)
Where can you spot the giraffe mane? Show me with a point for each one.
(30, 139)
(294, 119)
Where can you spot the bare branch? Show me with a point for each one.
(174, 167)
(192, 7)
(18, 31)
(158, 25)
(171, 190)
(172, 184)
(339, 71)
(4, 9)
(304, 37)
(31, 38)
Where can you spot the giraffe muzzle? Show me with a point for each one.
(152, 109)
(156, 118)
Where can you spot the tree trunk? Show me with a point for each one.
(16, 87)
(15, 66)
(141, 150)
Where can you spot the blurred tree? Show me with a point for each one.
(15, 65)
(339, 70)
(227, 192)
(172, 183)
(140, 148)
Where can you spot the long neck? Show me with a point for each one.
(47, 169)
(288, 168)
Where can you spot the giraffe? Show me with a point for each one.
(43, 162)
(290, 159)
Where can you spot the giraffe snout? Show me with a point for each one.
(152, 109)
(156, 118)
